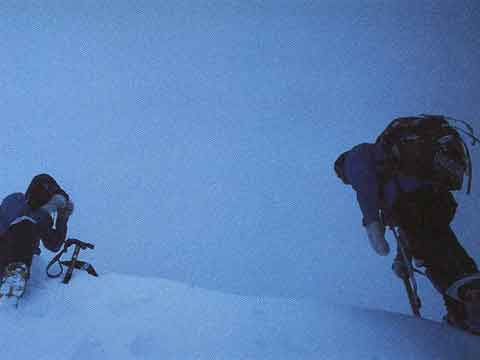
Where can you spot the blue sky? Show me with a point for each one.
(197, 138)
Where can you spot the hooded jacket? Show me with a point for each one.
(14, 208)
(363, 169)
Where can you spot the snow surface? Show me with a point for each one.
(118, 316)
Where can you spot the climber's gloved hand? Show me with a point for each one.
(376, 236)
(67, 210)
(54, 204)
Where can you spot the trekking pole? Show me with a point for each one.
(409, 281)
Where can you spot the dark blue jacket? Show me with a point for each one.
(14, 208)
(362, 167)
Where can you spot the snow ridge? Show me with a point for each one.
(119, 316)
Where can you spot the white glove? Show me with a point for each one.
(67, 211)
(376, 235)
(56, 202)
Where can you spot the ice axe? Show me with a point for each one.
(408, 281)
(73, 263)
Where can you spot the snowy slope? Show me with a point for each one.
(126, 317)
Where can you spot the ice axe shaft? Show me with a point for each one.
(69, 273)
(409, 281)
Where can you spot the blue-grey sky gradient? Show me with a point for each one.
(197, 137)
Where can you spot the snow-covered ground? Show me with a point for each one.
(118, 316)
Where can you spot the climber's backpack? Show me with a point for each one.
(427, 147)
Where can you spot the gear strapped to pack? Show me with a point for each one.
(429, 147)
(74, 263)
